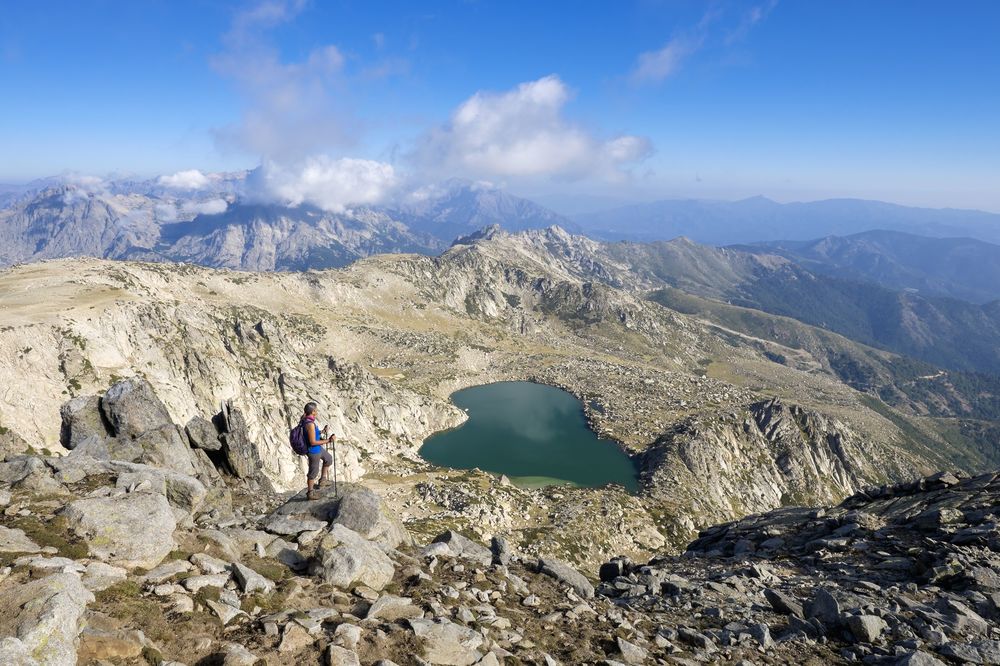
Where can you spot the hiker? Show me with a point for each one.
(318, 455)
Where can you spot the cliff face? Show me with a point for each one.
(151, 324)
(769, 455)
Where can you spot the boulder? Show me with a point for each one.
(465, 548)
(564, 573)
(82, 420)
(97, 645)
(338, 656)
(181, 490)
(500, 551)
(241, 456)
(131, 407)
(195, 583)
(866, 628)
(363, 511)
(251, 581)
(130, 530)
(234, 654)
(100, 576)
(447, 643)
(917, 658)
(291, 526)
(202, 434)
(823, 607)
(784, 603)
(631, 653)
(391, 608)
(15, 653)
(165, 446)
(15, 541)
(45, 616)
(27, 472)
(78, 465)
(344, 558)
(974, 652)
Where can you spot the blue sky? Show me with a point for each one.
(571, 102)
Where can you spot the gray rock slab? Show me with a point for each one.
(181, 490)
(465, 548)
(447, 643)
(14, 540)
(363, 511)
(566, 574)
(202, 434)
(45, 615)
(81, 419)
(866, 628)
(292, 526)
(390, 607)
(129, 530)
(250, 581)
(344, 558)
(131, 407)
(339, 656)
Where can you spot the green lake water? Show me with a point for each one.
(535, 434)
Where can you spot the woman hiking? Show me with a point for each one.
(319, 458)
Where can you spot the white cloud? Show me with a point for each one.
(166, 211)
(81, 186)
(192, 179)
(330, 184)
(209, 207)
(522, 132)
(660, 64)
(655, 66)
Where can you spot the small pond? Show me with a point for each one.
(535, 434)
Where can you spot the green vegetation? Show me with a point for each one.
(53, 532)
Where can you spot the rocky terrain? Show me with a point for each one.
(383, 343)
(152, 543)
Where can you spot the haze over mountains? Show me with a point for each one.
(759, 219)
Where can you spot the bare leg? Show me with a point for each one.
(309, 488)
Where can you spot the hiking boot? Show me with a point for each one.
(318, 484)
(310, 495)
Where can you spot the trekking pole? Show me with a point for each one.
(335, 490)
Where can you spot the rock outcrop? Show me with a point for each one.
(895, 574)
(133, 529)
(42, 619)
(770, 455)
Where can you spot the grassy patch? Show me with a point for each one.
(52, 533)
(119, 592)
(269, 603)
(276, 571)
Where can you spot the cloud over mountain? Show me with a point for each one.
(330, 184)
(192, 179)
(524, 132)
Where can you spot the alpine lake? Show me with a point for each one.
(535, 434)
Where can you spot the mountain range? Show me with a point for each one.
(760, 219)
(962, 268)
(931, 299)
(216, 226)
